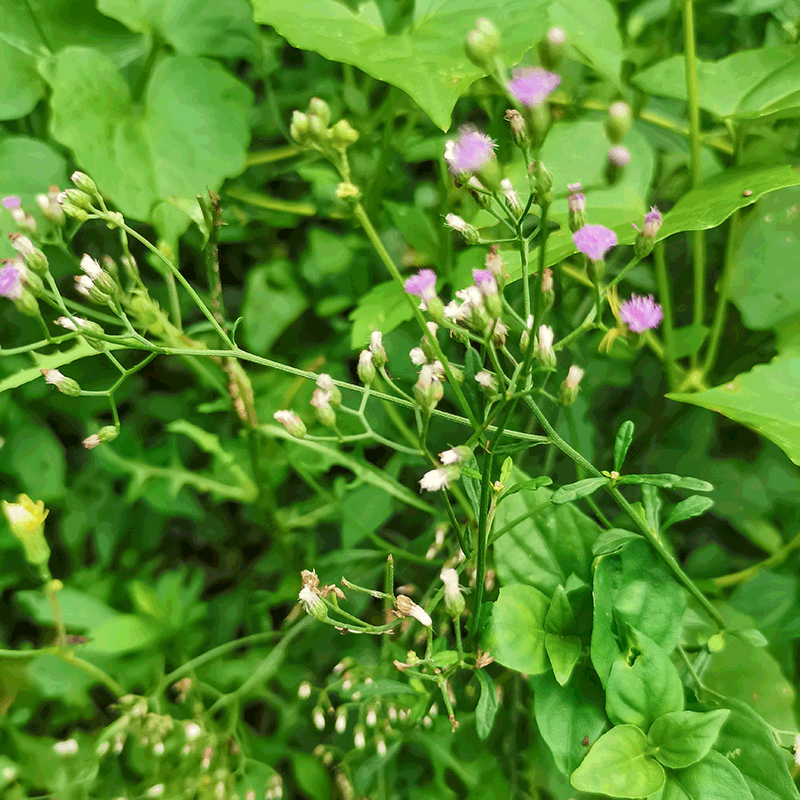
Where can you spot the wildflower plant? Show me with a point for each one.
(525, 573)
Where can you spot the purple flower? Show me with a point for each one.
(422, 285)
(11, 282)
(485, 280)
(594, 241)
(532, 85)
(641, 313)
(652, 222)
(469, 152)
(11, 202)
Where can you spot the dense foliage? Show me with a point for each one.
(470, 329)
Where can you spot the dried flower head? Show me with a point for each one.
(641, 313)
(594, 241)
(485, 281)
(531, 86)
(652, 223)
(406, 607)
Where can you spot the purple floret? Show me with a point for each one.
(641, 313)
(531, 86)
(594, 241)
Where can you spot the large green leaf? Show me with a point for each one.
(713, 778)
(48, 26)
(751, 83)
(643, 685)
(191, 133)
(766, 399)
(515, 631)
(619, 766)
(751, 747)
(633, 586)
(543, 550)
(684, 737)
(428, 61)
(194, 28)
(27, 168)
(752, 675)
(764, 282)
(21, 86)
(568, 716)
(382, 308)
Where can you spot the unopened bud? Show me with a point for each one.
(313, 604)
(365, 369)
(646, 239)
(459, 225)
(69, 747)
(453, 599)
(318, 716)
(525, 336)
(482, 44)
(428, 389)
(548, 293)
(543, 347)
(304, 690)
(83, 182)
(359, 740)
(406, 607)
(77, 198)
(293, 424)
(376, 348)
(343, 134)
(551, 48)
(299, 129)
(319, 108)
(519, 128)
(106, 434)
(568, 393)
(618, 121)
(618, 158)
(341, 721)
(34, 258)
(65, 385)
(326, 384)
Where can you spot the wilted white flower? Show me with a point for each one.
(435, 480)
(69, 747)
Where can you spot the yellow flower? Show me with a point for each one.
(26, 520)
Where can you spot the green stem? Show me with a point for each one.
(692, 94)
(646, 531)
(365, 222)
(734, 579)
(665, 296)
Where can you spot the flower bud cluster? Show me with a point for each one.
(312, 129)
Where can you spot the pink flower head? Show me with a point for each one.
(641, 313)
(485, 280)
(531, 86)
(11, 282)
(594, 241)
(422, 285)
(11, 202)
(652, 222)
(619, 156)
(469, 152)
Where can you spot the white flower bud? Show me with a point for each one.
(318, 718)
(341, 721)
(192, 730)
(293, 424)
(304, 690)
(69, 747)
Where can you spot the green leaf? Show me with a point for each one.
(568, 716)
(62, 23)
(364, 511)
(643, 685)
(622, 443)
(272, 302)
(612, 541)
(560, 618)
(81, 611)
(37, 458)
(22, 87)
(618, 766)
(574, 491)
(515, 631)
(550, 544)
(416, 227)
(122, 634)
(688, 340)
(193, 28)
(766, 399)
(27, 168)
(752, 675)
(713, 201)
(713, 778)
(692, 506)
(486, 710)
(684, 737)
(526, 486)
(192, 133)
(763, 282)
(667, 481)
(748, 84)
(382, 308)
(428, 61)
(311, 776)
(563, 652)
(751, 747)
(634, 586)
